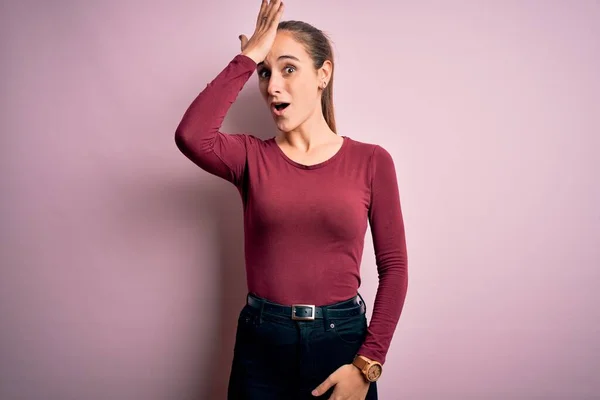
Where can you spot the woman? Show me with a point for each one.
(307, 194)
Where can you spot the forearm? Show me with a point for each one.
(200, 125)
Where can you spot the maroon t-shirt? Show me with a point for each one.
(305, 225)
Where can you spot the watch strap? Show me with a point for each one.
(360, 363)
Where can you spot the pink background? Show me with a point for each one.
(122, 262)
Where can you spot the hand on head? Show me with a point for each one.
(259, 45)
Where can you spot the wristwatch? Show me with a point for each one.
(369, 368)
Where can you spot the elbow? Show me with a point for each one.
(193, 143)
(181, 139)
(187, 138)
(197, 135)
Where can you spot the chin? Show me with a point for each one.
(285, 126)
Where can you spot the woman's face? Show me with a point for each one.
(287, 75)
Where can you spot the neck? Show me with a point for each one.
(311, 133)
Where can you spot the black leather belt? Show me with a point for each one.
(309, 312)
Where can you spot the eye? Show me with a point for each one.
(264, 73)
(261, 73)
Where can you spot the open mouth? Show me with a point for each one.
(280, 106)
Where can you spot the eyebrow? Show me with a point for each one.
(285, 56)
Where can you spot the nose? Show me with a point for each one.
(275, 83)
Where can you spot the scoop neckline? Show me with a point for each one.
(313, 166)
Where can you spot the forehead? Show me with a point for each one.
(286, 45)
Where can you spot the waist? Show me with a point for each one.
(307, 312)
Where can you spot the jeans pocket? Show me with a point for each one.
(350, 330)
(246, 317)
(256, 331)
(246, 324)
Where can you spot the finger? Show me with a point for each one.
(274, 19)
(323, 387)
(244, 41)
(273, 8)
(266, 16)
(262, 12)
(278, 15)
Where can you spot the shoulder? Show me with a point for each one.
(250, 140)
(379, 163)
(375, 153)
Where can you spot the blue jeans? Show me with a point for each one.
(278, 358)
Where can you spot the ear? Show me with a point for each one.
(325, 71)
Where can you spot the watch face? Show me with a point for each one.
(374, 372)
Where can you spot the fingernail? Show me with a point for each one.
(314, 392)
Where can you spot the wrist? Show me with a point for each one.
(370, 369)
(252, 56)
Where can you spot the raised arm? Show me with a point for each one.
(198, 135)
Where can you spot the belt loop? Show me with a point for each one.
(363, 302)
(325, 319)
(260, 312)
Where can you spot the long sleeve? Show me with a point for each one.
(198, 136)
(389, 242)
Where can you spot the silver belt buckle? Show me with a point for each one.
(297, 318)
